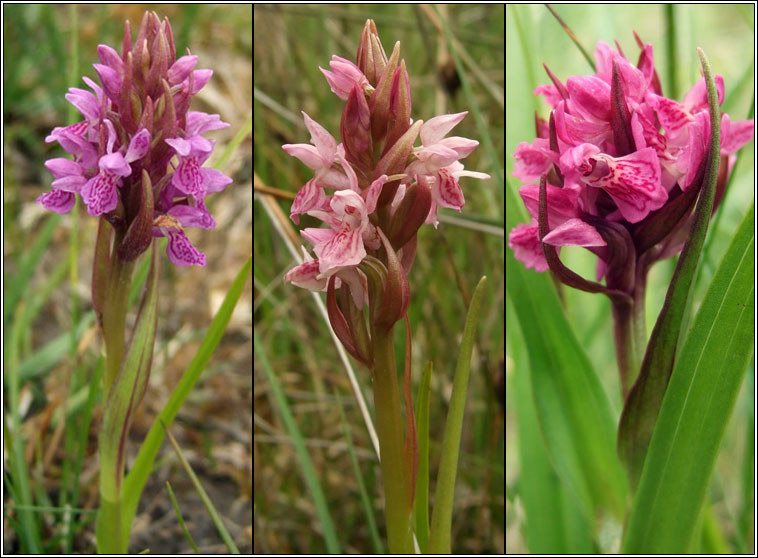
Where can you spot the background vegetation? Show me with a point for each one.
(290, 43)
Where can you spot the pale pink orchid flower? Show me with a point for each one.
(436, 150)
(343, 246)
(321, 156)
(446, 190)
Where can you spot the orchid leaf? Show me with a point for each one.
(697, 406)
(641, 408)
(555, 523)
(442, 515)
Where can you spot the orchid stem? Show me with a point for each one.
(629, 337)
(389, 426)
(114, 314)
(110, 536)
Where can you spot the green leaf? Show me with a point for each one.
(555, 523)
(697, 406)
(16, 286)
(573, 410)
(137, 477)
(641, 409)
(442, 515)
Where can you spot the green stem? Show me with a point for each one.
(114, 314)
(111, 538)
(389, 427)
(629, 337)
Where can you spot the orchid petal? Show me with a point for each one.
(524, 240)
(436, 128)
(574, 232)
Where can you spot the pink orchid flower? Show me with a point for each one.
(321, 156)
(99, 192)
(616, 151)
(344, 76)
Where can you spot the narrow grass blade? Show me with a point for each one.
(573, 37)
(15, 286)
(27, 528)
(376, 540)
(238, 138)
(44, 358)
(747, 492)
(180, 518)
(309, 472)
(482, 128)
(697, 406)
(210, 508)
(421, 503)
(143, 465)
(442, 515)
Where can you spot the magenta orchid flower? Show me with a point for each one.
(619, 167)
(619, 151)
(136, 160)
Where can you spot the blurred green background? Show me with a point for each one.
(726, 33)
(51, 342)
(290, 43)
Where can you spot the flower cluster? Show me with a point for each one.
(384, 187)
(137, 154)
(623, 165)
